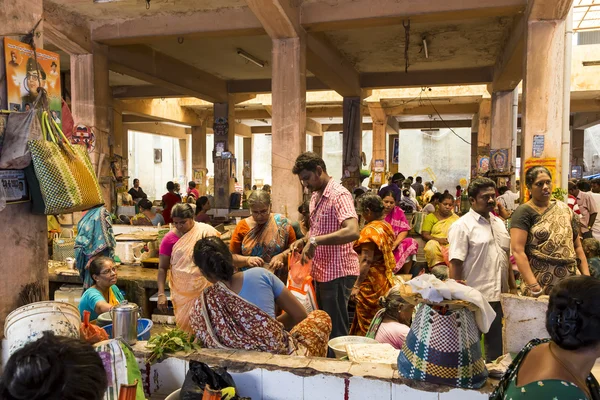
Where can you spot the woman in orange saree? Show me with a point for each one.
(377, 263)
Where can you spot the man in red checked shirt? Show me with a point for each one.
(333, 230)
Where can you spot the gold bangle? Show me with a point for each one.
(162, 294)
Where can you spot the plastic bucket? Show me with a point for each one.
(143, 329)
(27, 324)
(174, 396)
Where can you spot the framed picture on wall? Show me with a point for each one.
(395, 151)
(157, 156)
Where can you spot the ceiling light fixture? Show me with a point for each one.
(425, 47)
(251, 58)
(106, 1)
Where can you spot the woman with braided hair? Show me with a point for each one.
(238, 311)
(560, 367)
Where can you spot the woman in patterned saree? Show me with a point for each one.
(545, 237)
(377, 263)
(176, 257)
(403, 247)
(238, 311)
(262, 238)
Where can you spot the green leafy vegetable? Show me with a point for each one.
(171, 341)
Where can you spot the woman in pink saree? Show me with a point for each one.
(176, 258)
(404, 247)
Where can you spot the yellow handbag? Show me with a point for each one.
(64, 171)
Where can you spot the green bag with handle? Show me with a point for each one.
(66, 176)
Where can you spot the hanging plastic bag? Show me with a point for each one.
(300, 282)
(89, 332)
(20, 128)
(200, 375)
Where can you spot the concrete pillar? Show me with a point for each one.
(91, 103)
(121, 140)
(224, 184)
(247, 161)
(484, 130)
(199, 157)
(318, 145)
(474, 138)
(577, 140)
(24, 237)
(542, 117)
(352, 142)
(289, 121)
(379, 139)
(502, 126)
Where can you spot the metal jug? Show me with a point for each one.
(125, 320)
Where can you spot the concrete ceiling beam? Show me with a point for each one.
(261, 129)
(159, 128)
(437, 124)
(65, 30)
(508, 69)
(325, 16)
(243, 130)
(137, 119)
(259, 86)
(143, 62)
(314, 16)
(144, 92)
(313, 128)
(331, 67)
(280, 18)
(146, 29)
(586, 120)
(167, 110)
(467, 76)
(393, 126)
(548, 9)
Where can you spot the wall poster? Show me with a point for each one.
(14, 186)
(24, 76)
(499, 160)
(483, 163)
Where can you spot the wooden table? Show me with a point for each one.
(138, 282)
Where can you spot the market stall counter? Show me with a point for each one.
(139, 284)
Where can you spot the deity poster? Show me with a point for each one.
(24, 75)
(499, 160)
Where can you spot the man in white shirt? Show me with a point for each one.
(479, 255)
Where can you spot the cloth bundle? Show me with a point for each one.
(435, 290)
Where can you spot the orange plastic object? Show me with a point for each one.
(91, 333)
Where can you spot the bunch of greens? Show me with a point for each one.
(171, 341)
(559, 194)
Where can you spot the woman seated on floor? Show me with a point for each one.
(104, 293)
(392, 323)
(147, 217)
(560, 367)
(238, 311)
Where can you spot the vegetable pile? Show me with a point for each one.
(171, 341)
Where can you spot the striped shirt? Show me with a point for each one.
(327, 214)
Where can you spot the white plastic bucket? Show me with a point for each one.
(28, 323)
